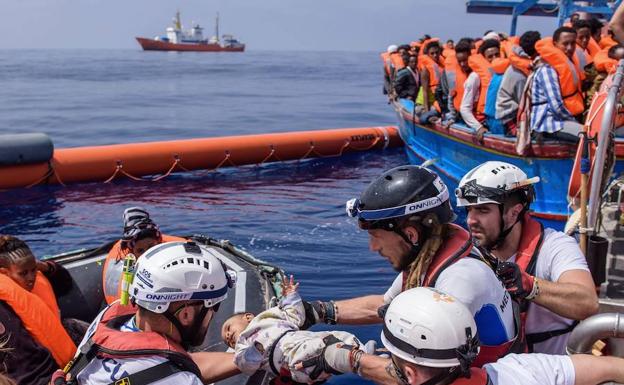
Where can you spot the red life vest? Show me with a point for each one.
(459, 246)
(530, 244)
(526, 257)
(478, 376)
(111, 273)
(107, 341)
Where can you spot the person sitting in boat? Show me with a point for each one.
(407, 81)
(541, 267)
(473, 104)
(408, 216)
(36, 342)
(272, 340)
(139, 234)
(514, 79)
(586, 48)
(432, 339)
(451, 89)
(556, 94)
(449, 48)
(175, 292)
(431, 66)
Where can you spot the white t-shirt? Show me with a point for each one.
(474, 283)
(109, 370)
(472, 90)
(531, 369)
(559, 253)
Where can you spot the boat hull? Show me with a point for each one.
(157, 45)
(453, 152)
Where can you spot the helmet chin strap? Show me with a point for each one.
(503, 233)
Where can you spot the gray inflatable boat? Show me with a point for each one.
(256, 288)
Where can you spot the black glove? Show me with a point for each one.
(319, 312)
(518, 283)
(335, 358)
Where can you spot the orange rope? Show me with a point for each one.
(176, 162)
(119, 169)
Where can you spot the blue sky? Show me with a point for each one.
(361, 25)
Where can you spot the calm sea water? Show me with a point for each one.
(289, 214)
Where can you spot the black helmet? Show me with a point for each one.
(403, 191)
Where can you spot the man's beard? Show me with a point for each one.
(406, 260)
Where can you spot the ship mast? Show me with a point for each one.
(178, 24)
(217, 28)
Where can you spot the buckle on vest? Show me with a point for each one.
(123, 381)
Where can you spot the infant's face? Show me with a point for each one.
(233, 327)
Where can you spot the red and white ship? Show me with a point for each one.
(191, 40)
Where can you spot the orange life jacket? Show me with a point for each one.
(107, 341)
(592, 47)
(568, 73)
(385, 58)
(459, 246)
(447, 51)
(604, 63)
(433, 68)
(606, 41)
(521, 63)
(43, 289)
(485, 70)
(456, 78)
(397, 61)
(507, 46)
(425, 43)
(43, 323)
(113, 266)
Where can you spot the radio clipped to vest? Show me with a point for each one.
(127, 276)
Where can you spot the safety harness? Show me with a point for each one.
(526, 257)
(105, 340)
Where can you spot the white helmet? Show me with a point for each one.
(427, 327)
(392, 48)
(178, 271)
(491, 182)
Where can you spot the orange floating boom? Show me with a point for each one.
(105, 163)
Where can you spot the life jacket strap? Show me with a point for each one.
(272, 353)
(150, 375)
(536, 338)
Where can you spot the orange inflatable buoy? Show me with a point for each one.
(105, 163)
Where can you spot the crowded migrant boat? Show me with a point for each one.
(526, 86)
(495, 298)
